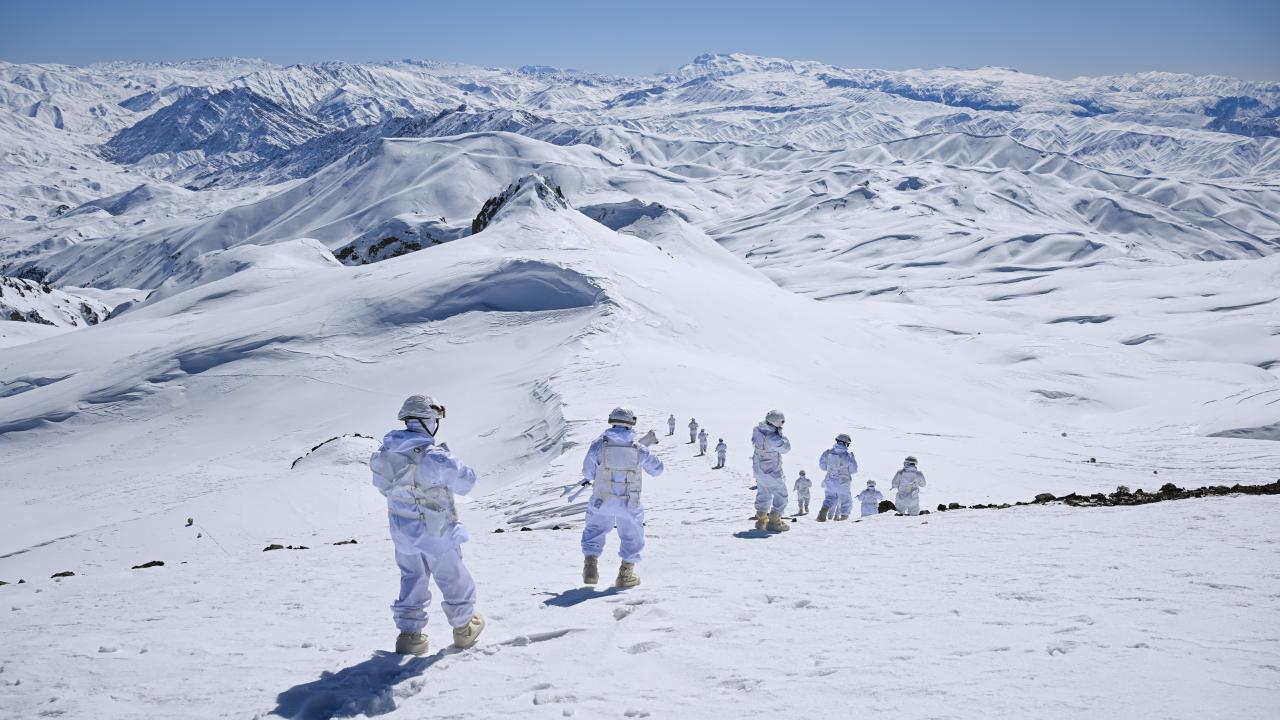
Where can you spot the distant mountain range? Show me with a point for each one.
(120, 173)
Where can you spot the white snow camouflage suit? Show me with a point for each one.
(419, 479)
(766, 463)
(841, 466)
(870, 501)
(614, 464)
(802, 487)
(908, 482)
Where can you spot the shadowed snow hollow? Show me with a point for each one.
(520, 286)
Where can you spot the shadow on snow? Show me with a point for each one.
(362, 689)
(569, 598)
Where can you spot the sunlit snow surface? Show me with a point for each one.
(1006, 296)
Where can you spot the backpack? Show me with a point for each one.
(617, 458)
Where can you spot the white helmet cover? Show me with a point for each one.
(775, 418)
(421, 407)
(843, 439)
(622, 416)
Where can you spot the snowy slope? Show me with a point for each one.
(1033, 285)
(658, 317)
(1155, 611)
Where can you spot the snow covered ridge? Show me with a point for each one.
(24, 300)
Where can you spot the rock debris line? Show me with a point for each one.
(294, 464)
(1122, 496)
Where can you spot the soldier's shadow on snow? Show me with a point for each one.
(569, 598)
(362, 689)
(753, 534)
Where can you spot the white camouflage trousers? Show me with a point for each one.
(422, 557)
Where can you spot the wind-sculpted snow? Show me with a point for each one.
(517, 287)
(983, 307)
(959, 264)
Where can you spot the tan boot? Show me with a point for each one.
(590, 570)
(627, 577)
(776, 523)
(822, 514)
(411, 643)
(761, 520)
(466, 636)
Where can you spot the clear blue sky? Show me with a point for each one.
(1050, 37)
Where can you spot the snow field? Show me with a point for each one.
(1033, 286)
(963, 614)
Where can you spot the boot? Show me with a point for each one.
(627, 577)
(411, 643)
(822, 514)
(466, 636)
(590, 570)
(761, 520)
(776, 523)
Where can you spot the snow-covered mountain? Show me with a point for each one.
(29, 301)
(1034, 285)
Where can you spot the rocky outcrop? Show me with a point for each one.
(398, 236)
(1124, 496)
(530, 191)
(35, 301)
